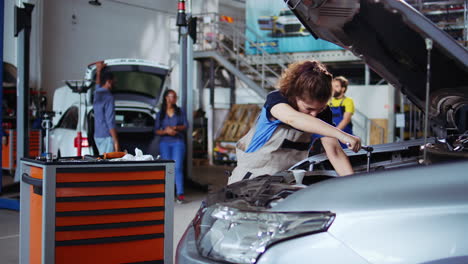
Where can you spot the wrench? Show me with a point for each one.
(369, 150)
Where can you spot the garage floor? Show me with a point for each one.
(212, 176)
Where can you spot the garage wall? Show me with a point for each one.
(76, 33)
(67, 35)
(205, 6)
(373, 100)
(376, 102)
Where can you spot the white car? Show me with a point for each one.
(139, 85)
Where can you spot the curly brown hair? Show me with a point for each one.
(308, 80)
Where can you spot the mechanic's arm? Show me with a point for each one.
(307, 123)
(161, 132)
(115, 139)
(184, 124)
(348, 113)
(109, 119)
(180, 128)
(171, 131)
(346, 120)
(158, 127)
(337, 157)
(99, 66)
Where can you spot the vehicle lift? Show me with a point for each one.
(80, 87)
(22, 30)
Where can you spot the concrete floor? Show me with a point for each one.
(210, 177)
(9, 236)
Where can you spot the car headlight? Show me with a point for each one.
(233, 235)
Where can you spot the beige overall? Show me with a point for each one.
(286, 147)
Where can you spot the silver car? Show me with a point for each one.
(412, 215)
(408, 201)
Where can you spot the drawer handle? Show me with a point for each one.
(30, 180)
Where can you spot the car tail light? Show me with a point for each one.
(77, 140)
(80, 142)
(84, 142)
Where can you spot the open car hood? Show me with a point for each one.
(389, 35)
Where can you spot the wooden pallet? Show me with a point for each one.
(238, 122)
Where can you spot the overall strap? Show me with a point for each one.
(341, 103)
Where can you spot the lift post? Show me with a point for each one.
(23, 18)
(11, 204)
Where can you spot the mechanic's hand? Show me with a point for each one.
(170, 131)
(173, 132)
(100, 65)
(353, 142)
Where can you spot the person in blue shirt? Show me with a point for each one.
(290, 116)
(105, 134)
(170, 125)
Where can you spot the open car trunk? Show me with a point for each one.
(134, 130)
(138, 87)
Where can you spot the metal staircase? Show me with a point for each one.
(225, 43)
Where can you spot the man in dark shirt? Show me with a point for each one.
(105, 134)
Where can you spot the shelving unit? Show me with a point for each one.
(451, 16)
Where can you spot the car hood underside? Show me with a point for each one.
(390, 36)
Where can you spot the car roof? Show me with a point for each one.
(129, 61)
(163, 69)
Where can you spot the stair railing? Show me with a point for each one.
(229, 39)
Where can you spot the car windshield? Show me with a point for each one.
(138, 82)
(286, 13)
(140, 79)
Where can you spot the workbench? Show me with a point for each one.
(82, 211)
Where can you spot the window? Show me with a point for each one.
(139, 79)
(69, 119)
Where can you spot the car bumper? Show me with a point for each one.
(316, 248)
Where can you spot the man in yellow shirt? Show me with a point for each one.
(342, 107)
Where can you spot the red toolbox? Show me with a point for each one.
(77, 211)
